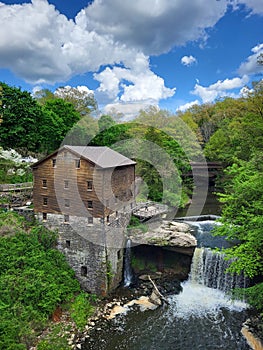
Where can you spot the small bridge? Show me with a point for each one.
(19, 187)
(147, 210)
(203, 169)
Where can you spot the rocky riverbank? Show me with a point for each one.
(123, 300)
(252, 330)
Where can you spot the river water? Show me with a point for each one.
(202, 316)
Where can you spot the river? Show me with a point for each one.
(202, 316)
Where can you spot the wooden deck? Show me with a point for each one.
(145, 211)
(24, 186)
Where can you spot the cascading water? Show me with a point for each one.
(127, 278)
(202, 316)
(209, 269)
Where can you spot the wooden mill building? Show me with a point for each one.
(87, 194)
(83, 181)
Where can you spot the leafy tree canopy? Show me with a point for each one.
(21, 119)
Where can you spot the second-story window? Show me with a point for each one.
(44, 200)
(54, 162)
(89, 185)
(77, 163)
(90, 205)
(67, 203)
(44, 183)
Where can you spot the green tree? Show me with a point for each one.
(105, 122)
(44, 95)
(82, 99)
(242, 220)
(21, 120)
(159, 157)
(59, 117)
(34, 279)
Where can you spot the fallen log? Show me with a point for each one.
(157, 292)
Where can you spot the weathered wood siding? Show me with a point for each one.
(67, 190)
(118, 188)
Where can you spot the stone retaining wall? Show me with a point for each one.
(94, 251)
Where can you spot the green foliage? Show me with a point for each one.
(55, 340)
(21, 119)
(34, 279)
(12, 172)
(160, 158)
(39, 124)
(254, 296)
(105, 122)
(60, 116)
(137, 264)
(11, 223)
(242, 219)
(140, 264)
(240, 133)
(81, 309)
(135, 223)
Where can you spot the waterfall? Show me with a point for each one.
(127, 265)
(209, 269)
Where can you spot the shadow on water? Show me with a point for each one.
(211, 206)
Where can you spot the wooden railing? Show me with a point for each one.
(16, 187)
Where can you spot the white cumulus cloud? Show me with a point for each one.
(152, 26)
(251, 65)
(256, 6)
(220, 88)
(114, 38)
(187, 105)
(188, 60)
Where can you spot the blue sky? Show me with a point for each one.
(133, 54)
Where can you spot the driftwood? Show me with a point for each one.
(157, 292)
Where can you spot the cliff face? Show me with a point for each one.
(166, 248)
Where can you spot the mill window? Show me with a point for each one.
(90, 220)
(44, 183)
(45, 201)
(66, 218)
(77, 163)
(67, 243)
(89, 185)
(67, 203)
(83, 271)
(66, 184)
(44, 216)
(90, 205)
(54, 162)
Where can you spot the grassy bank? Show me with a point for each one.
(35, 280)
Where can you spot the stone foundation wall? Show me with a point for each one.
(94, 251)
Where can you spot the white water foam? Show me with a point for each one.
(198, 301)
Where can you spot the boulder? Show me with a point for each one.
(155, 298)
(171, 235)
